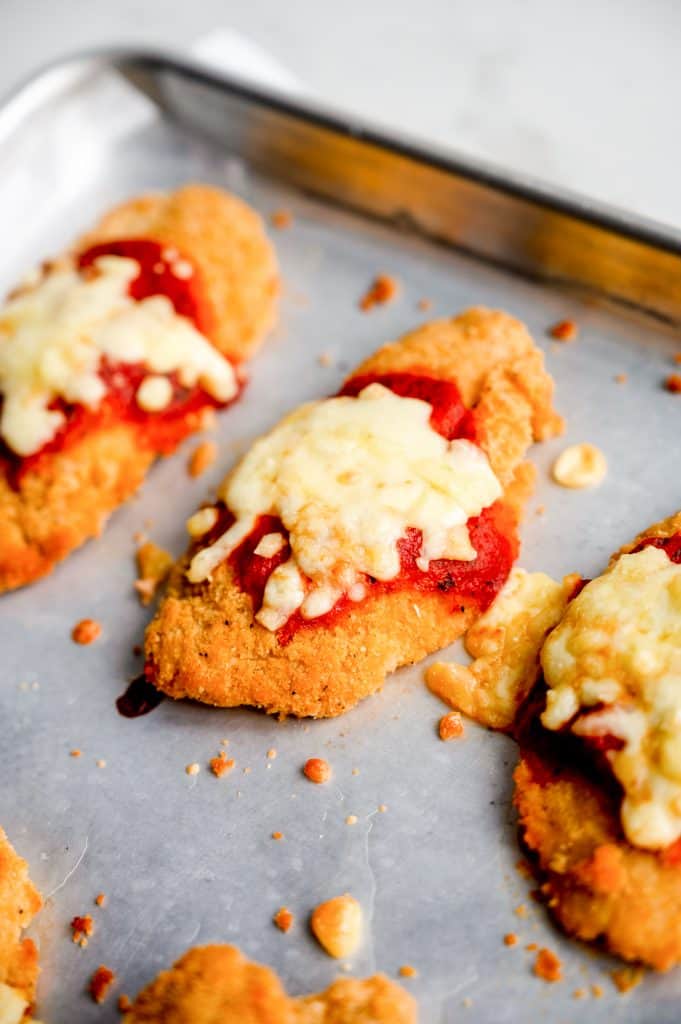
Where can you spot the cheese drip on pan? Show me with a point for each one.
(613, 668)
(348, 477)
(54, 336)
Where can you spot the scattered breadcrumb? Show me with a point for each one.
(86, 631)
(355, 771)
(564, 330)
(673, 383)
(124, 1003)
(581, 465)
(407, 971)
(281, 219)
(100, 983)
(153, 564)
(82, 928)
(382, 808)
(221, 764)
(540, 510)
(451, 726)
(271, 754)
(467, 1002)
(193, 769)
(531, 947)
(523, 868)
(277, 835)
(521, 910)
(621, 378)
(75, 753)
(351, 819)
(547, 966)
(325, 359)
(383, 289)
(424, 304)
(510, 939)
(596, 991)
(283, 919)
(202, 458)
(579, 993)
(317, 770)
(626, 978)
(100, 762)
(337, 925)
(100, 899)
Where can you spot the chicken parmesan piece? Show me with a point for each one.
(19, 902)
(598, 787)
(218, 985)
(116, 351)
(365, 531)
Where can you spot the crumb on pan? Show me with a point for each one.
(579, 993)
(621, 378)
(424, 304)
(86, 631)
(100, 899)
(520, 910)
(510, 939)
(626, 978)
(283, 919)
(325, 359)
(124, 1003)
(100, 983)
(351, 819)
(407, 971)
(564, 330)
(75, 752)
(596, 991)
(580, 465)
(100, 762)
(547, 966)
(202, 458)
(382, 808)
(277, 835)
(193, 769)
(271, 754)
(281, 219)
(82, 928)
(221, 764)
(673, 383)
(317, 770)
(383, 289)
(337, 925)
(153, 564)
(450, 726)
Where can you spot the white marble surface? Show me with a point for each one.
(585, 94)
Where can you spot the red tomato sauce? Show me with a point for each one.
(671, 545)
(161, 431)
(461, 584)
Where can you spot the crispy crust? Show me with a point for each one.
(598, 886)
(68, 499)
(218, 985)
(19, 902)
(204, 642)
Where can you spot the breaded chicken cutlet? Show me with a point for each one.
(365, 531)
(19, 902)
(113, 353)
(598, 787)
(218, 985)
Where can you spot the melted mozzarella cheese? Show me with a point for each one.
(615, 663)
(53, 338)
(348, 477)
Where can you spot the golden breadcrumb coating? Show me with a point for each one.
(204, 642)
(218, 985)
(598, 886)
(69, 497)
(19, 902)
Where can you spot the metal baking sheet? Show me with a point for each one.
(187, 860)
